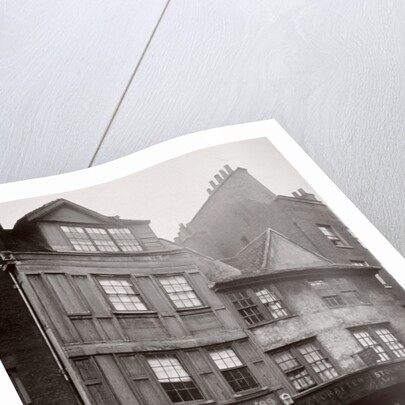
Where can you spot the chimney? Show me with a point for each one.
(223, 173)
(213, 184)
(305, 195)
(210, 191)
(218, 178)
(228, 169)
(183, 231)
(295, 194)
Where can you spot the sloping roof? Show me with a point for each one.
(272, 251)
(48, 208)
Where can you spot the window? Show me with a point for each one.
(234, 371)
(316, 283)
(94, 239)
(337, 292)
(180, 292)
(78, 238)
(271, 302)
(174, 379)
(359, 263)
(258, 304)
(382, 281)
(125, 240)
(246, 307)
(305, 365)
(334, 301)
(330, 233)
(382, 340)
(102, 240)
(122, 295)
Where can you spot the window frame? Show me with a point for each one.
(105, 228)
(191, 375)
(136, 290)
(335, 237)
(379, 341)
(263, 309)
(303, 363)
(158, 278)
(333, 289)
(243, 366)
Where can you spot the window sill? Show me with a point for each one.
(80, 315)
(364, 304)
(268, 322)
(252, 393)
(344, 247)
(124, 314)
(194, 310)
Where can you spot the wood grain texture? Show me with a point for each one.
(330, 72)
(63, 68)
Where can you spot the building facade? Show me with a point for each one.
(264, 318)
(239, 208)
(132, 320)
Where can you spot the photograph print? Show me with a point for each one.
(218, 277)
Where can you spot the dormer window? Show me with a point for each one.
(93, 239)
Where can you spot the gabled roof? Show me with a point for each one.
(272, 251)
(49, 208)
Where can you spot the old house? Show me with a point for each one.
(131, 320)
(239, 208)
(334, 330)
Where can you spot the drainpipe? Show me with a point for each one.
(7, 260)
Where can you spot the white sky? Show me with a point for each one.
(173, 191)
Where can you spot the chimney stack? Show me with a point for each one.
(218, 178)
(228, 169)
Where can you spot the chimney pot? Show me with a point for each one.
(223, 173)
(228, 169)
(209, 191)
(295, 194)
(213, 184)
(302, 191)
(218, 178)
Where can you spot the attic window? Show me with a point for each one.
(101, 239)
(332, 235)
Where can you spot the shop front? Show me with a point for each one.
(382, 384)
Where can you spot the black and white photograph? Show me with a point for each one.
(217, 277)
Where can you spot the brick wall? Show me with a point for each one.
(23, 349)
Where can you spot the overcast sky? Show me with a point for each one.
(173, 191)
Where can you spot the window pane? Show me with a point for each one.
(273, 304)
(102, 240)
(366, 340)
(225, 359)
(240, 379)
(334, 301)
(391, 341)
(125, 239)
(318, 361)
(235, 372)
(329, 232)
(78, 238)
(246, 307)
(352, 297)
(175, 380)
(180, 292)
(122, 295)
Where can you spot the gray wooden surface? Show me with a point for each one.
(85, 82)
